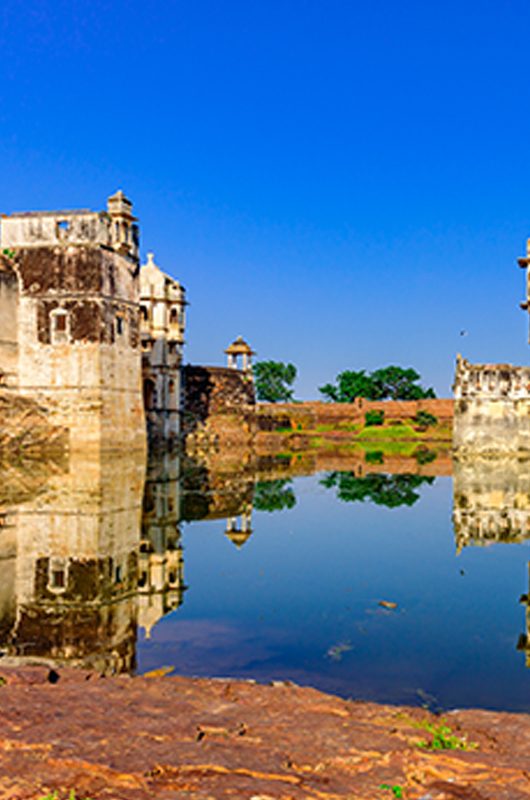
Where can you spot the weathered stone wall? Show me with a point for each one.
(216, 390)
(26, 428)
(492, 409)
(77, 343)
(309, 416)
(491, 501)
(218, 406)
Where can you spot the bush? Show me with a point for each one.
(374, 417)
(424, 419)
(425, 456)
(374, 457)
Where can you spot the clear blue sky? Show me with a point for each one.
(344, 183)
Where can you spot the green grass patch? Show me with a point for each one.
(442, 738)
(389, 432)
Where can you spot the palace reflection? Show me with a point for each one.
(88, 555)
(91, 552)
(491, 503)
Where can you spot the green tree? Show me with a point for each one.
(396, 383)
(275, 495)
(349, 385)
(273, 380)
(387, 383)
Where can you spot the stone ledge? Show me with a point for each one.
(170, 738)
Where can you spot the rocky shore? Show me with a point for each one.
(77, 734)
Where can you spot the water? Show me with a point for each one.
(279, 580)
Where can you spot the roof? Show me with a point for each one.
(239, 347)
(238, 537)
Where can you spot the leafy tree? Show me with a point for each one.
(383, 490)
(350, 384)
(396, 383)
(387, 383)
(273, 495)
(273, 380)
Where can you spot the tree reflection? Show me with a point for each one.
(275, 495)
(383, 490)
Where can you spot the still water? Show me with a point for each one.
(275, 576)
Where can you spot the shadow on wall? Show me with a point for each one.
(214, 391)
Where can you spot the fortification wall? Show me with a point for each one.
(76, 342)
(216, 390)
(492, 409)
(218, 404)
(308, 416)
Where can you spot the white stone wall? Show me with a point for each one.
(492, 409)
(163, 303)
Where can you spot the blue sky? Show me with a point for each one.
(343, 183)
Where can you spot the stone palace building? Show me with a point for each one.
(88, 337)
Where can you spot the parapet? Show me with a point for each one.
(492, 410)
(114, 228)
(490, 381)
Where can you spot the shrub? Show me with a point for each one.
(424, 419)
(374, 417)
(374, 457)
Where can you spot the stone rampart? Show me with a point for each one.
(216, 390)
(492, 409)
(218, 405)
(309, 416)
(69, 341)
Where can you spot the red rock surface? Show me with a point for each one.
(172, 738)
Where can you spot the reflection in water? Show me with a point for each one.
(275, 495)
(76, 578)
(91, 555)
(383, 490)
(491, 503)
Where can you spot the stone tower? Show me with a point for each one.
(69, 321)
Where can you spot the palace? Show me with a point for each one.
(87, 336)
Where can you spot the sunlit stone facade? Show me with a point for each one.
(69, 321)
(162, 309)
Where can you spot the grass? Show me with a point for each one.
(390, 432)
(396, 789)
(56, 796)
(443, 738)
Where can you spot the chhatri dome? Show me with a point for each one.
(239, 348)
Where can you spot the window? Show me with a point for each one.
(58, 579)
(144, 312)
(60, 326)
(119, 325)
(174, 314)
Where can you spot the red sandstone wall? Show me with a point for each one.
(310, 415)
